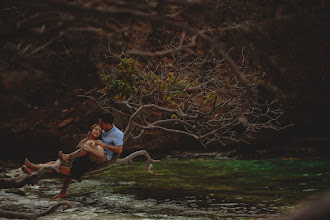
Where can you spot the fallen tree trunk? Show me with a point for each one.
(24, 179)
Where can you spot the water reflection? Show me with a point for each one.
(182, 189)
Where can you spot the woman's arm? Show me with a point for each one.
(98, 151)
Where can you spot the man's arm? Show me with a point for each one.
(115, 149)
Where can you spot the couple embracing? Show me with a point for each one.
(91, 150)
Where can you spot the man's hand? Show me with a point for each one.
(99, 142)
(115, 149)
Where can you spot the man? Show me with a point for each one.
(111, 138)
(111, 141)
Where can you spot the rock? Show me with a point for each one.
(15, 191)
(316, 208)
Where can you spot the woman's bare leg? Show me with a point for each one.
(26, 169)
(63, 192)
(64, 170)
(66, 183)
(34, 166)
(67, 157)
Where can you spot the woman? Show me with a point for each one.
(85, 158)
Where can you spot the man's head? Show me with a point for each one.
(106, 121)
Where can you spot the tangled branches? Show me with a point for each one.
(194, 97)
(187, 77)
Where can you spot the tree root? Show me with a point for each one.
(16, 215)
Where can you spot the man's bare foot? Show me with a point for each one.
(65, 157)
(60, 195)
(26, 169)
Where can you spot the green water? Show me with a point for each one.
(228, 186)
(189, 189)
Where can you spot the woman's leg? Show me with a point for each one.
(29, 167)
(35, 167)
(64, 170)
(63, 192)
(67, 157)
(27, 170)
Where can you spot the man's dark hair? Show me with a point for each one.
(107, 117)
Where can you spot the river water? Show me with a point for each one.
(182, 189)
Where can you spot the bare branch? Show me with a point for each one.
(161, 53)
(153, 18)
(129, 159)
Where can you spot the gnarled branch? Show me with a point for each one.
(129, 159)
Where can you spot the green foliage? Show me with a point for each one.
(127, 83)
(171, 88)
(132, 81)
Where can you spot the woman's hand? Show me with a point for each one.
(88, 147)
(95, 150)
(99, 142)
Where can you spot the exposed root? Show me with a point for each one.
(16, 215)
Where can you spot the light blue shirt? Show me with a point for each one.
(114, 137)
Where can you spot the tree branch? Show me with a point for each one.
(129, 159)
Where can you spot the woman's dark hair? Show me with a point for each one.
(107, 117)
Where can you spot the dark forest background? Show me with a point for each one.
(52, 52)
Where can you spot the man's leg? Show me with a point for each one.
(63, 192)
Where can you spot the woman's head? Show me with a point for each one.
(94, 132)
